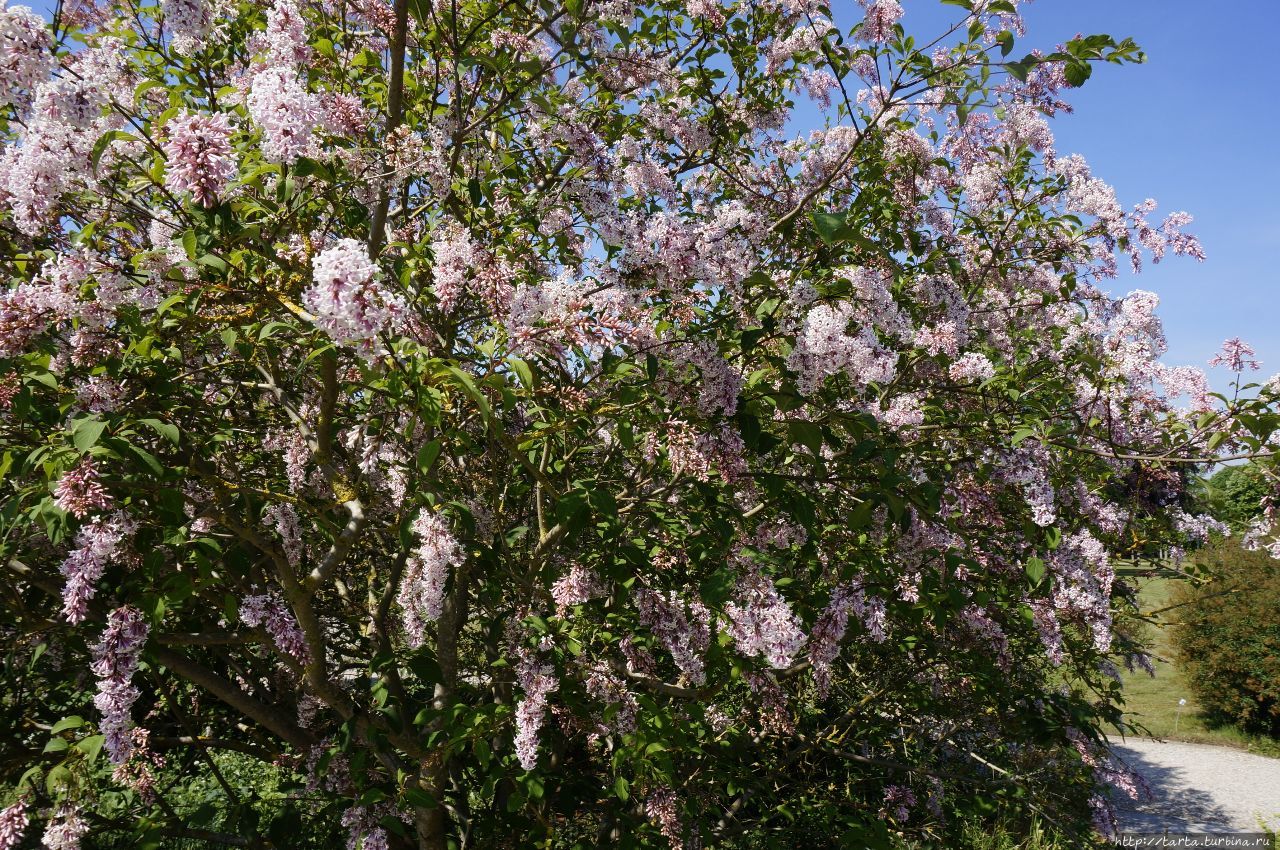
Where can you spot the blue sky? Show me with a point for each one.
(1194, 128)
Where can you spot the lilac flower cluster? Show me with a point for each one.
(348, 302)
(575, 587)
(13, 823)
(537, 681)
(1111, 773)
(686, 633)
(1236, 355)
(898, 800)
(79, 492)
(762, 624)
(65, 829)
(603, 685)
(1082, 587)
(279, 103)
(96, 544)
(833, 622)
(115, 659)
(662, 807)
(268, 611)
(26, 58)
(283, 517)
(972, 367)
(720, 382)
(199, 155)
(189, 23)
(824, 347)
(1050, 630)
(453, 254)
(881, 17)
(364, 827)
(421, 593)
(138, 772)
(1027, 467)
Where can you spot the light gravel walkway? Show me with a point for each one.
(1198, 788)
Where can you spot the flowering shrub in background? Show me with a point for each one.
(495, 417)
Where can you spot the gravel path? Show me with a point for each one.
(1199, 788)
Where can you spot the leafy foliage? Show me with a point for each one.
(1234, 495)
(1228, 637)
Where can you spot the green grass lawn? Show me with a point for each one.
(1153, 702)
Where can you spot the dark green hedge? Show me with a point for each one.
(1228, 640)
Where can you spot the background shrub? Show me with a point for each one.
(1228, 638)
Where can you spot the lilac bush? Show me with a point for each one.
(500, 421)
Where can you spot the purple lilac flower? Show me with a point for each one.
(115, 659)
(79, 493)
(422, 587)
(267, 610)
(200, 159)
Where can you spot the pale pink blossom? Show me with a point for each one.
(1236, 355)
(972, 367)
(97, 543)
(422, 586)
(189, 22)
(683, 629)
(347, 300)
(115, 659)
(79, 492)
(662, 807)
(268, 611)
(881, 17)
(65, 829)
(762, 623)
(575, 587)
(537, 681)
(199, 156)
(280, 105)
(13, 823)
(26, 57)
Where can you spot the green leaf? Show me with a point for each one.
(57, 776)
(622, 788)
(1077, 72)
(213, 262)
(522, 370)
(1018, 70)
(1005, 40)
(716, 588)
(164, 429)
(1035, 570)
(469, 387)
(806, 434)
(832, 227)
(104, 142)
(418, 798)
(73, 722)
(86, 433)
(427, 455)
(91, 746)
(421, 12)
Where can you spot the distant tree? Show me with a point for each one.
(1234, 495)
